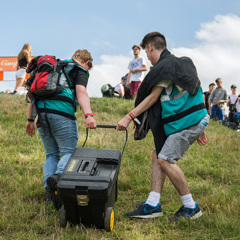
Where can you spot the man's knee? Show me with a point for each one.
(163, 163)
(154, 157)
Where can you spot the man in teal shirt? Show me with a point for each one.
(172, 94)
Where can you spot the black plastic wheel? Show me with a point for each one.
(116, 191)
(62, 217)
(109, 219)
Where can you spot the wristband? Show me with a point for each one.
(131, 115)
(134, 118)
(30, 120)
(87, 115)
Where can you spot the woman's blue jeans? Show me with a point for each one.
(59, 141)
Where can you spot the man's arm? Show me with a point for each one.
(210, 107)
(229, 101)
(84, 102)
(142, 69)
(143, 106)
(128, 78)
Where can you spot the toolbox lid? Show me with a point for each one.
(114, 154)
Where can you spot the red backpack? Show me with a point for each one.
(47, 76)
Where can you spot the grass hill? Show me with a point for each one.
(212, 172)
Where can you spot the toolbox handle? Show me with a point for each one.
(108, 126)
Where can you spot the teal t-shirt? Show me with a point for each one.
(180, 110)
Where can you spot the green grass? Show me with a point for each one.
(212, 172)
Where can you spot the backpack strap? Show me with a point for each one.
(61, 98)
(72, 88)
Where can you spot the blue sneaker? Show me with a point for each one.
(192, 213)
(146, 211)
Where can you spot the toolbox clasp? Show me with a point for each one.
(82, 200)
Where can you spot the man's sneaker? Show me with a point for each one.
(192, 213)
(146, 211)
(52, 185)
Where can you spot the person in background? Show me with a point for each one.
(216, 101)
(119, 88)
(23, 58)
(238, 104)
(207, 94)
(232, 100)
(58, 130)
(136, 68)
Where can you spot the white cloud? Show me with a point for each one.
(223, 30)
(218, 54)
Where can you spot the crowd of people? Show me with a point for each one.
(216, 98)
(174, 126)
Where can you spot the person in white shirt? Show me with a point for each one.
(136, 68)
(238, 104)
(232, 101)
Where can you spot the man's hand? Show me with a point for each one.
(133, 70)
(202, 139)
(123, 124)
(29, 129)
(91, 123)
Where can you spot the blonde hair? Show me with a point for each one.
(83, 56)
(25, 52)
(27, 47)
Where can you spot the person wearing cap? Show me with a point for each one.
(232, 100)
(216, 101)
(136, 68)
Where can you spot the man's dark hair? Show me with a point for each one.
(156, 39)
(212, 84)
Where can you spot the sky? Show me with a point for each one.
(208, 31)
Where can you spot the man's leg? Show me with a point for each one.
(214, 113)
(152, 207)
(220, 115)
(157, 181)
(189, 208)
(176, 176)
(174, 148)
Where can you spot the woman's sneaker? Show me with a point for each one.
(192, 213)
(48, 196)
(52, 185)
(146, 211)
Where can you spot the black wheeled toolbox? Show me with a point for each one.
(88, 186)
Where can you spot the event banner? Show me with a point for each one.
(8, 64)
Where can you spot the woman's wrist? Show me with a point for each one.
(87, 115)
